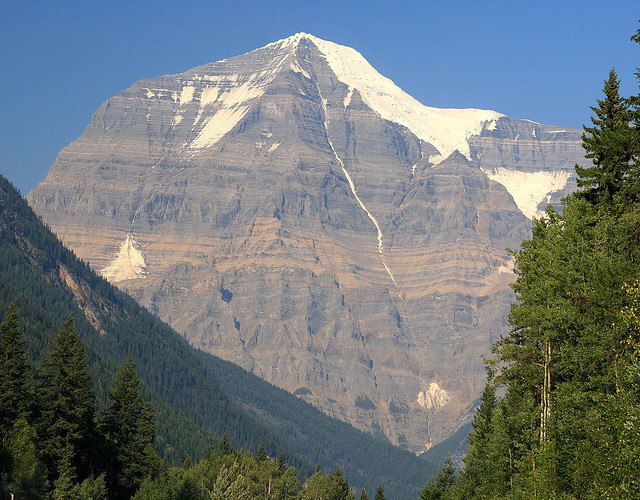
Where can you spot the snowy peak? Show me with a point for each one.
(226, 90)
(447, 129)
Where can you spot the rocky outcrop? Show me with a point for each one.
(293, 211)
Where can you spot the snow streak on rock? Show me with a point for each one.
(355, 195)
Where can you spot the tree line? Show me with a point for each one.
(567, 422)
(55, 445)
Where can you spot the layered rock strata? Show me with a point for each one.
(293, 211)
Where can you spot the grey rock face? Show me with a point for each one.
(276, 212)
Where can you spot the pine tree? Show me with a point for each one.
(129, 428)
(65, 487)
(363, 495)
(13, 373)
(225, 448)
(442, 486)
(262, 456)
(339, 488)
(379, 494)
(608, 143)
(67, 404)
(475, 474)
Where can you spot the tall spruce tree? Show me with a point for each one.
(379, 493)
(13, 373)
(129, 427)
(13, 382)
(608, 144)
(475, 477)
(67, 404)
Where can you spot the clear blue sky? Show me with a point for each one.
(545, 61)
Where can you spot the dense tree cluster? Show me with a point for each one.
(568, 425)
(54, 443)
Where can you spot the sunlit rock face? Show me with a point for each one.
(295, 212)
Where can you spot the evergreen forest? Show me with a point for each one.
(560, 414)
(99, 399)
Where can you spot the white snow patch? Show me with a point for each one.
(231, 97)
(446, 129)
(216, 126)
(209, 95)
(177, 119)
(241, 94)
(529, 189)
(347, 99)
(150, 94)
(187, 94)
(273, 147)
(128, 263)
(433, 397)
(295, 67)
(507, 268)
(491, 125)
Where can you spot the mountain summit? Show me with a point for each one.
(295, 212)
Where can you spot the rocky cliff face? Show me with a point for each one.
(293, 211)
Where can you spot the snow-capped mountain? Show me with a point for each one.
(294, 211)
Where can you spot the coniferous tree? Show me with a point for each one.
(65, 487)
(262, 456)
(13, 373)
(13, 382)
(475, 476)
(608, 143)
(339, 488)
(379, 494)
(363, 495)
(129, 428)
(441, 487)
(67, 404)
(225, 448)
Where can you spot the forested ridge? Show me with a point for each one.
(102, 400)
(48, 285)
(566, 423)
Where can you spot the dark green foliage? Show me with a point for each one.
(379, 494)
(66, 405)
(339, 487)
(14, 395)
(13, 373)
(608, 143)
(129, 428)
(34, 271)
(363, 495)
(441, 487)
(225, 447)
(567, 425)
(261, 456)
